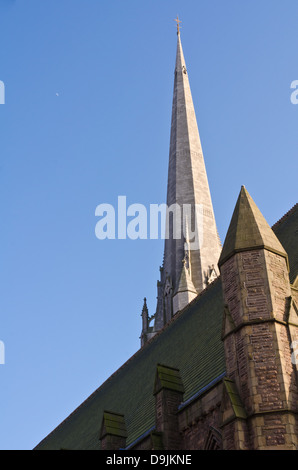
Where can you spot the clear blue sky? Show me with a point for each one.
(87, 118)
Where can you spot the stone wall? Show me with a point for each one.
(258, 345)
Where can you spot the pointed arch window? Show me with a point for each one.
(213, 440)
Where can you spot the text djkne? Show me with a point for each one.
(160, 221)
(160, 459)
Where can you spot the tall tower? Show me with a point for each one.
(192, 245)
(259, 328)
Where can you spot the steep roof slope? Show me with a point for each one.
(191, 342)
(286, 229)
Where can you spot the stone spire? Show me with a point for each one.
(185, 291)
(248, 230)
(260, 327)
(188, 189)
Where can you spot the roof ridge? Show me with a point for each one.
(117, 371)
(287, 214)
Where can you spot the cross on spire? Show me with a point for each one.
(178, 25)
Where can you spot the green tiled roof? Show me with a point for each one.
(286, 229)
(191, 343)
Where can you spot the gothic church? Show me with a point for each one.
(216, 368)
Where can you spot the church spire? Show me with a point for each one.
(248, 230)
(187, 188)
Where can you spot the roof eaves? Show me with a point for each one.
(284, 217)
(202, 391)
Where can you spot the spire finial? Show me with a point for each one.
(178, 25)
